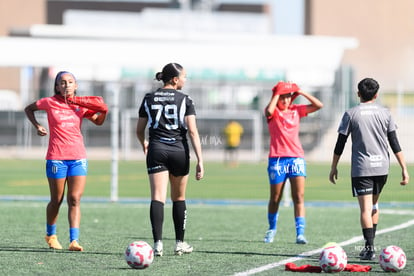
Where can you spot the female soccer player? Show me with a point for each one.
(169, 115)
(286, 156)
(66, 162)
(370, 126)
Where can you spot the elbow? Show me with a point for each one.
(268, 112)
(316, 107)
(27, 109)
(100, 119)
(319, 105)
(192, 134)
(140, 133)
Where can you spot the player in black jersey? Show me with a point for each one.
(169, 116)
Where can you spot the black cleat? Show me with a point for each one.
(368, 255)
(362, 253)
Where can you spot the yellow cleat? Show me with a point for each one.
(74, 246)
(53, 242)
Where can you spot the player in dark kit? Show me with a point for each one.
(169, 115)
(371, 128)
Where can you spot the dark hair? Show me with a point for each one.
(368, 88)
(169, 71)
(58, 77)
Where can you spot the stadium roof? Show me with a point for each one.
(104, 53)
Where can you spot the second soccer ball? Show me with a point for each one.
(333, 259)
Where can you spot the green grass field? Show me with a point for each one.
(227, 221)
(246, 182)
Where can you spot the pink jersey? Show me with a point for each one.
(65, 121)
(284, 132)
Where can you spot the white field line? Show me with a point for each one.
(319, 250)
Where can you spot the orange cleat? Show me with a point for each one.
(74, 246)
(53, 242)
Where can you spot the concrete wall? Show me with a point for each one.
(15, 14)
(385, 30)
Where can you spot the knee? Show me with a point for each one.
(298, 198)
(274, 201)
(366, 213)
(55, 201)
(74, 200)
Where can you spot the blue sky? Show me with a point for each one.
(288, 15)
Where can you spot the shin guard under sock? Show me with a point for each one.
(179, 218)
(157, 219)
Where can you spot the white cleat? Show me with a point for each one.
(182, 248)
(269, 236)
(158, 248)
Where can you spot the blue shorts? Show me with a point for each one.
(281, 168)
(65, 168)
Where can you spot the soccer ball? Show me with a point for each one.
(392, 259)
(333, 259)
(139, 254)
(329, 244)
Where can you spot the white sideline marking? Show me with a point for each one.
(317, 251)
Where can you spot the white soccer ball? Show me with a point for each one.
(139, 254)
(392, 259)
(333, 259)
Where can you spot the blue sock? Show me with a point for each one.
(50, 229)
(272, 219)
(300, 225)
(74, 234)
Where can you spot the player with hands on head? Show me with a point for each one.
(66, 163)
(371, 128)
(169, 115)
(286, 155)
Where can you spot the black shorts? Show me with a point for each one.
(368, 185)
(176, 162)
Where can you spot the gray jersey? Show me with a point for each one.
(368, 124)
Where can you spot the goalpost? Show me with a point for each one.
(210, 124)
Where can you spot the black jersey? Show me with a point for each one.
(165, 110)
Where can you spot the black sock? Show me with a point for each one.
(368, 234)
(374, 230)
(179, 217)
(157, 219)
